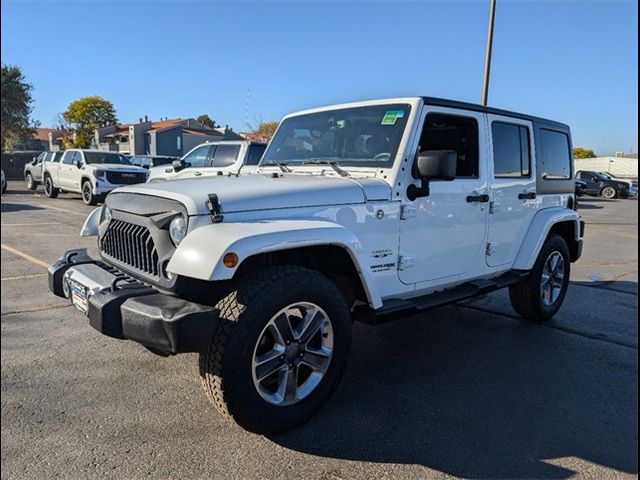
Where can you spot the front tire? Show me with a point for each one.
(280, 348)
(49, 189)
(609, 193)
(87, 194)
(29, 182)
(540, 296)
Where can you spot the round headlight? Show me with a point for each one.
(106, 214)
(177, 229)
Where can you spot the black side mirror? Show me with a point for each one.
(79, 164)
(178, 165)
(432, 165)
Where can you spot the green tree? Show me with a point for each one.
(16, 107)
(267, 129)
(85, 115)
(580, 152)
(206, 120)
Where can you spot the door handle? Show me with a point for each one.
(197, 174)
(478, 198)
(527, 196)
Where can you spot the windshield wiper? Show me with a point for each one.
(333, 164)
(283, 166)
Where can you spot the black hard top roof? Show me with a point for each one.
(443, 102)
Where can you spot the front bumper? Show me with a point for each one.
(121, 307)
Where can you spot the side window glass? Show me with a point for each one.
(511, 153)
(225, 155)
(68, 157)
(198, 157)
(457, 133)
(255, 154)
(555, 155)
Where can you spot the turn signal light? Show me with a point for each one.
(230, 260)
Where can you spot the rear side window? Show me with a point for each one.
(555, 154)
(457, 133)
(225, 155)
(56, 156)
(511, 151)
(255, 154)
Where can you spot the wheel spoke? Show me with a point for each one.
(288, 383)
(283, 325)
(316, 323)
(268, 367)
(317, 360)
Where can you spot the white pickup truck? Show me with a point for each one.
(212, 158)
(92, 173)
(364, 211)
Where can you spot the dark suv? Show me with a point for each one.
(597, 185)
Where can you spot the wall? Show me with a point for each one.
(165, 142)
(620, 167)
(189, 141)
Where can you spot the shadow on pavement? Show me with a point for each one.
(479, 396)
(17, 207)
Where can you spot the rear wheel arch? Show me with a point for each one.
(567, 230)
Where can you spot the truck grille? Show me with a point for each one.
(131, 245)
(126, 178)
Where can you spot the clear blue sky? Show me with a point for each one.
(572, 61)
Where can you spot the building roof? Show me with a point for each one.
(254, 137)
(43, 133)
(202, 132)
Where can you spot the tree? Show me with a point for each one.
(580, 152)
(85, 115)
(267, 129)
(16, 107)
(206, 120)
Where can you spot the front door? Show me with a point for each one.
(513, 187)
(442, 235)
(194, 161)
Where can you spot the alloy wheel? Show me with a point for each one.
(552, 279)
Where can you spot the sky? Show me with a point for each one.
(571, 61)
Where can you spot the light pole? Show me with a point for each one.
(487, 55)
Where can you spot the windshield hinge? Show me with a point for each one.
(407, 211)
(215, 208)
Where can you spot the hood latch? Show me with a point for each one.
(215, 208)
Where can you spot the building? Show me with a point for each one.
(42, 139)
(624, 167)
(173, 137)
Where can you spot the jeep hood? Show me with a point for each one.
(263, 192)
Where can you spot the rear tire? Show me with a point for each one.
(232, 368)
(609, 193)
(29, 182)
(87, 194)
(540, 296)
(49, 189)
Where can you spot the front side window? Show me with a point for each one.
(452, 132)
(511, 157)
(70, 157)
(360, 136)
(225, 155)
(106, 157)
(555, 154)
(198, 157)
(255, 154)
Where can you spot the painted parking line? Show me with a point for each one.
(23, 277)
(36, 224)
(62, 209)
(26, 256)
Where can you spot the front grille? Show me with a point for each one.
(131, 245)
(126, 178)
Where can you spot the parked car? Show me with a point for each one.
(633, 184)
(4, 183)
(212, 158)
(365, 211)
(92, 173)
(600, 186)
(149, 161)
(34, 170)
(580, 187)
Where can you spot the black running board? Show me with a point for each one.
(398, 308)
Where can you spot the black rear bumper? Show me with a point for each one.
(120, 307)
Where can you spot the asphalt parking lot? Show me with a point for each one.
(461, 391)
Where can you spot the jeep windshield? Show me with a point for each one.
(360, 137)
(106, 157)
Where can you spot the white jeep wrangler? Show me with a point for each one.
(363, 211)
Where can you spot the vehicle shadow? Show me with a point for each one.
(17, 207)
(586, 206)
(479, 396)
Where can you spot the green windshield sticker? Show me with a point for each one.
(391, 116)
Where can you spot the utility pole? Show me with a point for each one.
(487, 56)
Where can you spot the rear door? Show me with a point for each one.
(513, 187)
(223, 158)
(593, 185)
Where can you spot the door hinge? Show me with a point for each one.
(491, 249)
(492, 207)
(407, 211)
(405, 262)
